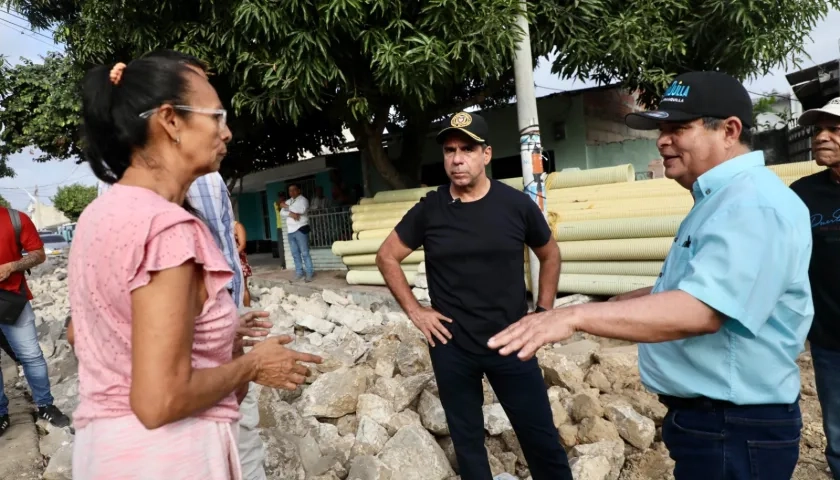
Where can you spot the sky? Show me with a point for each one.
(16, 41)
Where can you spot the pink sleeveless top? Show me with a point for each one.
(120, 238)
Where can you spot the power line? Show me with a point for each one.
(16, 15)
(5, 24)
(25, 28)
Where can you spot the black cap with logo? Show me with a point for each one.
(472, 125)
(695, 95)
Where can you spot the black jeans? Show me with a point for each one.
(521, 391)
(715, 442)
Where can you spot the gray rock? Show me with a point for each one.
(496, 421)
(636, 429)
(414, 453)
(60, 466)
(432, 414)
(368, 467)
(335, 394)
(333, 298)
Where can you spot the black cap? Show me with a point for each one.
(474, 126)
(695, 95)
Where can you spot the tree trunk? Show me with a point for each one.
(369, 138)
(413, 139)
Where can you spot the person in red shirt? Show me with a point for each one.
(22, 335)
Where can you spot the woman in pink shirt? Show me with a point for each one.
(154, 326)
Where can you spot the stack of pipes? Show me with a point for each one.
(613, 232)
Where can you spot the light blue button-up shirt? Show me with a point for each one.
(744, 250)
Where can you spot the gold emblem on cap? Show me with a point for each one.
(461, 120)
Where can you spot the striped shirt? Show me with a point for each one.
(209, 195)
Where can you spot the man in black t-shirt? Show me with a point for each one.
(821, 193)
(473, 232)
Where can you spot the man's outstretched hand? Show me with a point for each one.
(533, 331)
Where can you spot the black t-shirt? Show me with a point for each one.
(475, 258)
(822, 196)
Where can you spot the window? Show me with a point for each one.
(265, 214)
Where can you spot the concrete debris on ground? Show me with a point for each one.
(371, 411)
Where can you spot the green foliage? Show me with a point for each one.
(4, 203)
(39, 107)
(765, 106)
(369, 64)
(645, 43)
(72, 199)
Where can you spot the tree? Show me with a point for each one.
(4, 203)
(374, 63)
(774, 119)
(73, 199)
(40, 107)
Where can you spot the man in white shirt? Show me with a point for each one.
(297, 222)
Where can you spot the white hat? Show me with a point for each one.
(810, 116)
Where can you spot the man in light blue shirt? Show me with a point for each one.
(721, 329)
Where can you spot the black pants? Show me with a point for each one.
(521, 391)
(4, 345)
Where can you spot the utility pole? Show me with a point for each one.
(530, 147)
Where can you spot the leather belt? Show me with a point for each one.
(705, 403)
(695, 403)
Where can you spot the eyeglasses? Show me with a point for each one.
(219, 113)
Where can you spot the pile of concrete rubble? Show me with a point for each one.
(371, 410)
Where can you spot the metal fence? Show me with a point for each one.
(329, 225)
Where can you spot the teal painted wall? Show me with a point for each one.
(637, 152)
(250, 215)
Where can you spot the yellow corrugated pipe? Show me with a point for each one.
(366, 201)
(581, 215)
(572, 283)
(640, 227)
(617, 249)
(567, 195)
(798, 169)
(368, 234)
(406, 195)
(370, 259)
(356, 247)
(361, 277)
(602, 284)
(381, 207)
(412, 267)
(365, 220)
(594, 176)
(649, 268)
(389, 221)
(652, 248)
(563, 215)
(684, 199)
